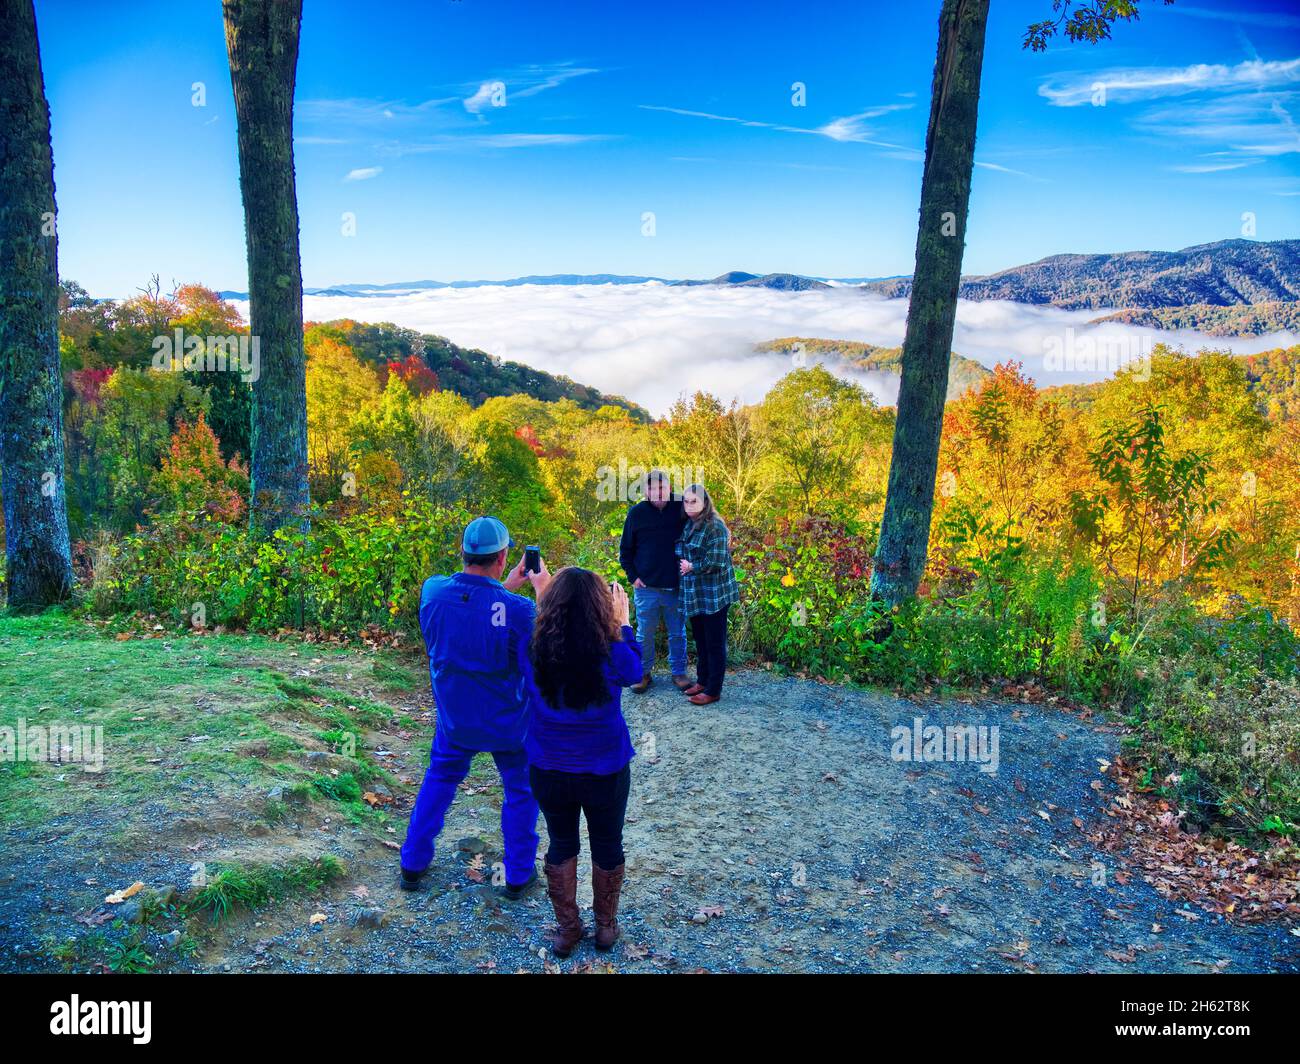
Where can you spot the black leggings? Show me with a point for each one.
(710, 632)
(601, 799)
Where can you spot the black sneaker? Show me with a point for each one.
(411, 880)
(514, 891)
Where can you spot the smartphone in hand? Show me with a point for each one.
(532, 559)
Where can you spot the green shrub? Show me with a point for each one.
(348, 571)
(1228, 749)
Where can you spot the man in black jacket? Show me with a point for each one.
(649, 557)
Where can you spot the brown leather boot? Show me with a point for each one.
(642, 687)
(682, 681)
(605, 889)
(562, 889)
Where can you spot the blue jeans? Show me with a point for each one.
(448, 765)
(653, 603)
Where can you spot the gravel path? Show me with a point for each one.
(770, 832)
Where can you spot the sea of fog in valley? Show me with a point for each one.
(653, 342)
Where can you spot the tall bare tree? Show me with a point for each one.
(932, 307)
(38, 560)
(262, 43)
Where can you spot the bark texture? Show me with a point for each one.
(37, 555)
(262, 44)
(932, 308)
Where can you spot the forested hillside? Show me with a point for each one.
(963, 373)
(1225, 273)
(1257, 319)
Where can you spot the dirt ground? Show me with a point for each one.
(770, 832)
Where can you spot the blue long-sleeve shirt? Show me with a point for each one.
(476, 634)
(594, 739)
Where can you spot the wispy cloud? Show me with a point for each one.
(365, 173)
(847, 129)
(366, 113)
(721, 118)
(1270, 19)
(1240, 109)
(474, 97)
(1212, 168)
(1129, 85)
(1246, 124)
(491, 141)
(523, 82)
(531, 140)
(1004, 170)
(852, 128)
(482, 99)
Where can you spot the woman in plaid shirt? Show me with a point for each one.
(708, 589)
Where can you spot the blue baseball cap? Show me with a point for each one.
(485, 535)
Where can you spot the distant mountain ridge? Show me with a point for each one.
(1222, 274)
(1194, 288)
(784, 282)
(790, 282)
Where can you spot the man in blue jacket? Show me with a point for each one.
(476, 630)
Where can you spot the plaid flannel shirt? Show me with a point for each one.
(711, 583)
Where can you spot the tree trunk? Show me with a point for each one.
(37, 556)
(932, 307)
(262, 43)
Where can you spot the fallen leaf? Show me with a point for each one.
(119, 896)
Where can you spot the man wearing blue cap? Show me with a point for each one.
(476, 630)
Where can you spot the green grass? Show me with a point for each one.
(155, 698)
(251, 886)
(129, 956)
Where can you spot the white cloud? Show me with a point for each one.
(359, 112)
(1212, 168)
(495, 140)
(848, 130)
(1248, 124)
(482, 99)
(852, 128)
(1144, 83)
(522, 83)
(364, 173)
(654, 342)
(1272, 19)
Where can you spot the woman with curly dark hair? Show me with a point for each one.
(582, 653)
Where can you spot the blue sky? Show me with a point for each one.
(681, 109)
